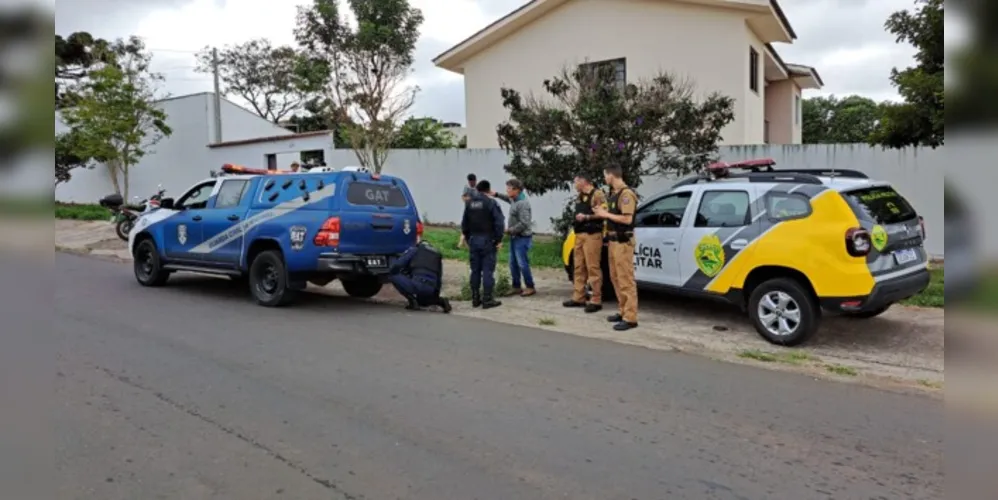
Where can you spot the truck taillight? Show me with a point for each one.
(329, 233)
(921, 225)
(858, 242)
(419, 232)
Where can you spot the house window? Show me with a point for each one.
(797, 110)
(753, 60)
(614, 71)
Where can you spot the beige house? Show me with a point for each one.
(722, 45)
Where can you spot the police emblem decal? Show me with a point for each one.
(298, 237)
(406, 227)
(182, 234)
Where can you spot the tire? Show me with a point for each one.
(868, 314)
(362, 288)
(794, 297)
(147, 265)
(123, 227)
(268, 280)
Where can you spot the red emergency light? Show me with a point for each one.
(720, 169)
(230, 168)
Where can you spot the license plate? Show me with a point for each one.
(905, 256)
(376, 261)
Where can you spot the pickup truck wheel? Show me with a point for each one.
(783, 312)
(268, 280)
(362, 288)
(148, 267)
(868, 314)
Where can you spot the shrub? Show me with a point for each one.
(504, 285)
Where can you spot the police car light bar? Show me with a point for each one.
(745, 164)
(229, 168)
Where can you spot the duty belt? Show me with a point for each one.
(620, 238)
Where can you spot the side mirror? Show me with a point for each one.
(166, 203)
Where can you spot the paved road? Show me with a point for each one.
(192, 391)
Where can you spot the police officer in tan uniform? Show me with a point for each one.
(588, 251)
(619, 218)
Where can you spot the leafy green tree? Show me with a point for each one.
(369, 62)
(652, 127)
(423, 133)
(831, 120)
(318, 114)
(973, 68)
(26, 124)
(275, 81)
(918, 121)
(115, 117)
(67, 157)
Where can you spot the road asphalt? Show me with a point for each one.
(192, 391)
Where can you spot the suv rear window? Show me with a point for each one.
(374, 194)
(881, 204)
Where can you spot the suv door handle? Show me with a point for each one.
(669, 242)
(739, 244)
(196, 218)
(233, 217)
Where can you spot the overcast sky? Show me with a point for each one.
(843, 39)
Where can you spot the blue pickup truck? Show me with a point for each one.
(277, 232)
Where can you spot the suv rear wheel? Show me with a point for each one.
(268, 280)
(783, 312)
(362, 288)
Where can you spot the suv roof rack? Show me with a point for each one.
(761, 170)
(828, 172)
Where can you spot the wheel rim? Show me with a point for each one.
(267, 279)
(779, 314)
(145, 262)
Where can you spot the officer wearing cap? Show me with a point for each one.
(483, 227)
(588, 252)
(417, 276)
(620, 232)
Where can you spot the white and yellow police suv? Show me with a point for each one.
(782, 244)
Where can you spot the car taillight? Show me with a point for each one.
(858, 242)
(921, 225)
(329, 233)
(419, 232)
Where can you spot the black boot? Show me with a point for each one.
(412, 305)
(445, 305)
(476, 299)
(490, 302)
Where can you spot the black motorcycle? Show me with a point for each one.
(124, 215)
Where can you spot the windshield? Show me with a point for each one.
(881, 204)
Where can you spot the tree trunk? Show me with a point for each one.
(124, 174)
(112, 170)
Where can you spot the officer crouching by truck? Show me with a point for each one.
(417, 275)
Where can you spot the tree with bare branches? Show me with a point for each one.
(275, 81)
(368, 63)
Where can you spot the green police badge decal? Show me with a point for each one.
(709, 254)
(878, 236)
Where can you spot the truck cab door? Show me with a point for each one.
(658, 229)
(221, 224)
(182, 232)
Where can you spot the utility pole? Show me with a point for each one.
(218, 97)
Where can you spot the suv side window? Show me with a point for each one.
(724, 209)
(666, 211)
(787, 206)
(197, 197)
(231, 193)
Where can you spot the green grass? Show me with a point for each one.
(81, 211)
(933, 295)
(930, 384)
(25, 206)
(547, 322)
(503, 288)
(985, 298)
(545, 253)
(842, 370)
(787, 357)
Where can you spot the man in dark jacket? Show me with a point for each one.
(483, 227)
(417, 275)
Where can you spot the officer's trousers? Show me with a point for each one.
(416, 290)
(622, 276)
(483, 264)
